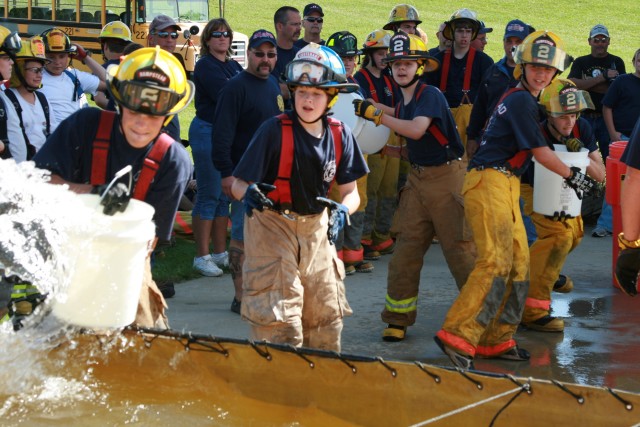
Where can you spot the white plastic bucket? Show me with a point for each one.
(369, 137)
(550, 191)
(105, 282)
(344, 111)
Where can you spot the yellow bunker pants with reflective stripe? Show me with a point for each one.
(462, 115)
(486, 314)
(430, 204)
(556, 239)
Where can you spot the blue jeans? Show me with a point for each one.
(237, 220)
(532, 234)
(210, 200)
(601, 133)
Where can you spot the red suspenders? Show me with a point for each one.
(100, 154)
(466, 84)
(372, 88)
(433, 128)
(282, 193)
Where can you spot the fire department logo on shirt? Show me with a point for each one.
(329, 171)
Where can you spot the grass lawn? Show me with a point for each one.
(571, 20)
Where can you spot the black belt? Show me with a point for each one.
(502, 169)
(420, 168)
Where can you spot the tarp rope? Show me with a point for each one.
(473, 405)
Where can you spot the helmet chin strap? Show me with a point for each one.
(561, 137)
(415, 79)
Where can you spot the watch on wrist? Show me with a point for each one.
(627, 244)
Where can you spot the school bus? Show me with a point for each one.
(83, 20)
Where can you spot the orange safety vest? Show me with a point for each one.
(282, 193)
(100, 154)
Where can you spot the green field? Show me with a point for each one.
(571, 20)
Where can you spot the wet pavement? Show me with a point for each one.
(600, 344)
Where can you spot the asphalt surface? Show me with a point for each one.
(598, 347)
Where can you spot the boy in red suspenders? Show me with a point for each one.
(557, 235)
(430, 202)
(91, 146)
(485, 316)
(293, 290)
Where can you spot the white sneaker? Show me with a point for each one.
(206, 266)
(221, 260)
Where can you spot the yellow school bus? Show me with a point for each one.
(83, 20)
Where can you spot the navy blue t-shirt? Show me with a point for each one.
(284, 57)
(314, 163)
(623, 97)
(427, 151)
(455, 79)
(513, 127)
(243, 104)
(209, 76)
(384, 89)
(584, 134)
(631, 155)
(68, 153)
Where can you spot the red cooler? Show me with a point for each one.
(615, 175)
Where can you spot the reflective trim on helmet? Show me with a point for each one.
(146, 99)
(56, 40)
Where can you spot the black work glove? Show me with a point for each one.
(256, 197)
(116, 198)
(573, 145)
(366, 110)
(559, 216)
(628, 265)
(338, 217)
(582, 184)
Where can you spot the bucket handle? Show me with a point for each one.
(125, 170)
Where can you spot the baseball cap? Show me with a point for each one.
(516, 28)
(310, 8)
(483, 29)
(162, 22)
(599, 30)
(261, 36)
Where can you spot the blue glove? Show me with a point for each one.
(114, 199)
(338, 217)
(255, 197)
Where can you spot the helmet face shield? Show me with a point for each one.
(308, 73)
(12, 44)
(143, 98)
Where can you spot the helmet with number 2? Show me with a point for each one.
(150, 81)
(318, 66)
(562, 97)
(541, 48)
(410, 47)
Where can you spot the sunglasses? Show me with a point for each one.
(35, 70)
(218, 34)
(314, 19)
(165, 34)
(600, 39)
(270, 55)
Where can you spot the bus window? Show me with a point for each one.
(18, 9)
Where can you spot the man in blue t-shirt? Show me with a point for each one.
(288, 26)
(246, 101)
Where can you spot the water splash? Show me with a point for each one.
(35, 221)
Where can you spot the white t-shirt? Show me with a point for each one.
(17, 146)
(34, 120)
(61, 93)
